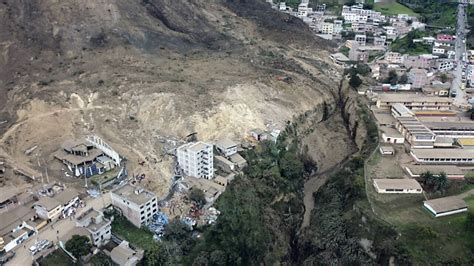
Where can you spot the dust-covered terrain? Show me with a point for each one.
(140, 72)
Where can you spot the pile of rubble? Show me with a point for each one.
(157, 225)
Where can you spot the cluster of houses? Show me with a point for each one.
(437, 138)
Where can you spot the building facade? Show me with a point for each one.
(136, 204)
(99, 227)
(196, 159)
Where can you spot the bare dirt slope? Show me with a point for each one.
(139, 71)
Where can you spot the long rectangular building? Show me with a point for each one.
(443, 156)
(400, 186)
(415, 132)
(413, 101)
(452, 129)
(451, 171)
(445, 206)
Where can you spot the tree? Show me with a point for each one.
(198, 196)
(355, 81)
(392, 77)
(79, 245)
(363, 69)
(443, 77)
(441, 181)
(403, 79)
(156, 255)
(469, 223)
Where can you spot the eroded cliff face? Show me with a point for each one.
(141, 72)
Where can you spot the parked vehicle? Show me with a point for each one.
(6, 257)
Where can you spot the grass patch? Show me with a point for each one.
(141, 238)
(393, 9)
(56, 258)
(100, 259)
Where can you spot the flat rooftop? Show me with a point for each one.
(451, 125)
(391, 132)
(443, 153)
(392, 183)
(66, 195)
(134, 194)
(466, 142)
(11, 218)
(8, 192)
(226, 143)
(410, 97)
(446, 204)
(384, 118)
(435, 169)
(194, 146)
(48, 203)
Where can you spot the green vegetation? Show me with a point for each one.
(392, 77)
(434, 12)
(434, 182)
(79, 246)
(344, 50)
(405, 45)
(261, 210)
(424, 239)
(136, 236)
(100, 259)
(56, 258)
(393, 9)
(355, 81)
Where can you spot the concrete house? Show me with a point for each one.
(137, 204)
(226, 146)
(124, 255)
(15, 227)
(397, 186)
(48, 208)
(88, 157)
(99, 227)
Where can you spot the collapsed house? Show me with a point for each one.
(88, 157)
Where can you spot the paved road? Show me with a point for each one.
(460, 98)
(23, 256)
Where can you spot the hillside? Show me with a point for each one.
(140, 72)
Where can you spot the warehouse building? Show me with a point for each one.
(451, 171)
(397, 186)
(452, 129)
(413, 101)
(443, 156)
(445, 206)
(415, 132)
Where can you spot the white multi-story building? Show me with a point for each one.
(337, 26)
(327, 28)
(137, 204)
(196, 159)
